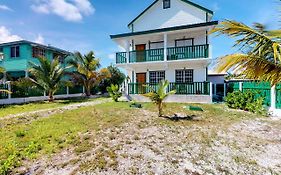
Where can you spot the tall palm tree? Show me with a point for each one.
(87, 70)
(260, 51)
(159, 95)
(47, 75)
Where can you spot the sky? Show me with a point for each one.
(85, 25)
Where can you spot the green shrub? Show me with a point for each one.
(114, 92)
(245, 101)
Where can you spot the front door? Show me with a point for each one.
(140, 53)
(141, 80)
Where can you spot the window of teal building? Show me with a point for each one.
(166, 4)
(15, 51)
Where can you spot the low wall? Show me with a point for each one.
(177, 98)
(35, 99)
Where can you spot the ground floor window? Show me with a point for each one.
(184, 76)
(156, 76)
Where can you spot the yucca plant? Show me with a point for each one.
(87, 71)
(47, 75)
(260, 51)
(159, 94)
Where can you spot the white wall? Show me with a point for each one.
(199, 70)
(179, 14)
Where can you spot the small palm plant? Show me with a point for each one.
(159, 95)
(86, 71)
(47, 75)
(2, 70)
(114, 92)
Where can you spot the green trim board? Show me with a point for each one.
(186, 1)
(211, 23)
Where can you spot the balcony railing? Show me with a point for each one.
(173, 53)
(147, 55)
(195, 88)
(188, 52)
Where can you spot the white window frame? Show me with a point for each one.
(15, 51)
(156, 76)
(187, 76)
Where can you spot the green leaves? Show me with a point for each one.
(160, 94)
(261, 58)
(114, 92)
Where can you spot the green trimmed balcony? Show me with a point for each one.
(173, 53)
(195, 88)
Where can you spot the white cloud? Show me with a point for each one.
(6, 36)
(40, 39)
(70, 10)
(111, 56)
(215, 7)
(4, 7)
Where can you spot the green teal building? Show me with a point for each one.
(15, 57)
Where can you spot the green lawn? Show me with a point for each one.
(24, 139)
(16, 109)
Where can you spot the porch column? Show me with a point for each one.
(211, 91)
(5, 76)
(9, 89)
(127, 47)
(241, 86)
(165, 46)
(273, 98)
(215, 89)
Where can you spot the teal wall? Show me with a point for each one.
(22, 63)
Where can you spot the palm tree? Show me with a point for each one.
(47, 75)
(159, 95)
(2, 70)
(86, 71)
(260, 56)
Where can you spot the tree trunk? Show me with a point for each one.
(51, 96)
(160, 109)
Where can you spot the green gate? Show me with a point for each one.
(262, 89)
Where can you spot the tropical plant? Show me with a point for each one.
(260, 56)
(116, 77)
(2, 70)
(246, 101)
(86, 71)
(47, 75)
(159, 94)
(114, 92)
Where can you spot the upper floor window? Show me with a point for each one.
(15, 51)
(38, 52)
(184, 42)
(166, 4)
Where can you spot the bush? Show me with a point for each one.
(245, 101)
(114, 92)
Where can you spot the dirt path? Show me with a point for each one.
(143, 146)
(51, 111)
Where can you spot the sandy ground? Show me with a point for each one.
(146, 147)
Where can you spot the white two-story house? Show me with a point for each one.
(168, 40)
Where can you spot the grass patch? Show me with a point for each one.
(45, 136)
(17, 109)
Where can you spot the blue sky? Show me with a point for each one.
(84, 25)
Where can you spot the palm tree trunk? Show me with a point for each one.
(51, 96)
(160, 109)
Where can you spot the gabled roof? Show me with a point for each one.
(211, 23)
(186, 1)
(35, 44)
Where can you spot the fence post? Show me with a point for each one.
(67, 90)
(211, 91)
(241, 86)
(273, 98)
(9, 89)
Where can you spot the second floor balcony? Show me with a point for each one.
(173, 53)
